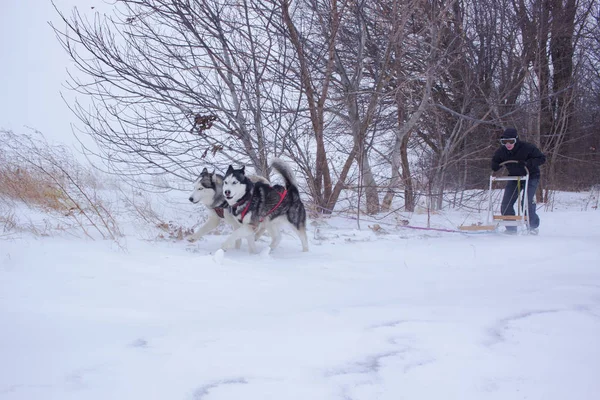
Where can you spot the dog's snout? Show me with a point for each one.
(227, 192)
(191, 199)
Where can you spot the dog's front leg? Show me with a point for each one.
(260, 230)
(240, 233)
(212, 223)
(234, 224)
(251, 239)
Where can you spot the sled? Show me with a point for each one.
(478, 228)
(494, 221)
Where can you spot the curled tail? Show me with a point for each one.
(296, 213)
(284, 170)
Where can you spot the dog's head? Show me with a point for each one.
(235, 184)
(208, 186)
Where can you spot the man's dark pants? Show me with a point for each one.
(510, 197)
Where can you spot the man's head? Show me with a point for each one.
(509, 138)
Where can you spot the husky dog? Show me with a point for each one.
(256, 204)
(208, 190)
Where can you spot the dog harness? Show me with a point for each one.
(281, 197)
(239, 203)
(249, 201)
(221, 209)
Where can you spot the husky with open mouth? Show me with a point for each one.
(258, 205)
(208, 190)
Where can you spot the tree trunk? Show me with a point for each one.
(409, 191)
(369, 185)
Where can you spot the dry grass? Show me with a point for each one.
(32, 187)
(173, 231)
(50, 179)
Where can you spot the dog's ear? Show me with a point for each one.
(204, 171)
(229, 170)
(243, 169)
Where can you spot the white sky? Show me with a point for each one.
(404, 315)
(33, 69)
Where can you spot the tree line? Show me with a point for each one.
(391, 99)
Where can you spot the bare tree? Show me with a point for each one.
(414, 68)
(175, 83)
(375, 95)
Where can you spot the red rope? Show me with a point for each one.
(431, 229)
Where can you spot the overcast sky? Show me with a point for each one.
(33, 69)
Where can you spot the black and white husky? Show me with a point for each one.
(258, 205)
(208, 190)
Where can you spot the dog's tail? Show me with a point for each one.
(285, 171)
(258, 178)
(296, 213)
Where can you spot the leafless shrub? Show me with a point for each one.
(593, 199)
(8, 222)
(140, 207)
(49, 178)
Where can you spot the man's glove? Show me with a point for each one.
(529, 164)
(524, 164)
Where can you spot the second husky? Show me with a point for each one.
(254, 204)
(208, 190)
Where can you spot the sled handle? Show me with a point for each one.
(513, 162)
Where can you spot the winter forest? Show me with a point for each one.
(387, 100)
(120, 271)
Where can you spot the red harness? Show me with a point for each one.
(245, 210)
(281, 197)
(221, 209)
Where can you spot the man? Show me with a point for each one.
(528, 156)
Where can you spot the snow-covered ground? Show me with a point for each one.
(403, 314)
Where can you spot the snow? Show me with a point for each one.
(404, 314)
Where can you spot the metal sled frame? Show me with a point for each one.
(494, 221)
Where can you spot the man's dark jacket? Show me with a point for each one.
(525, 152)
